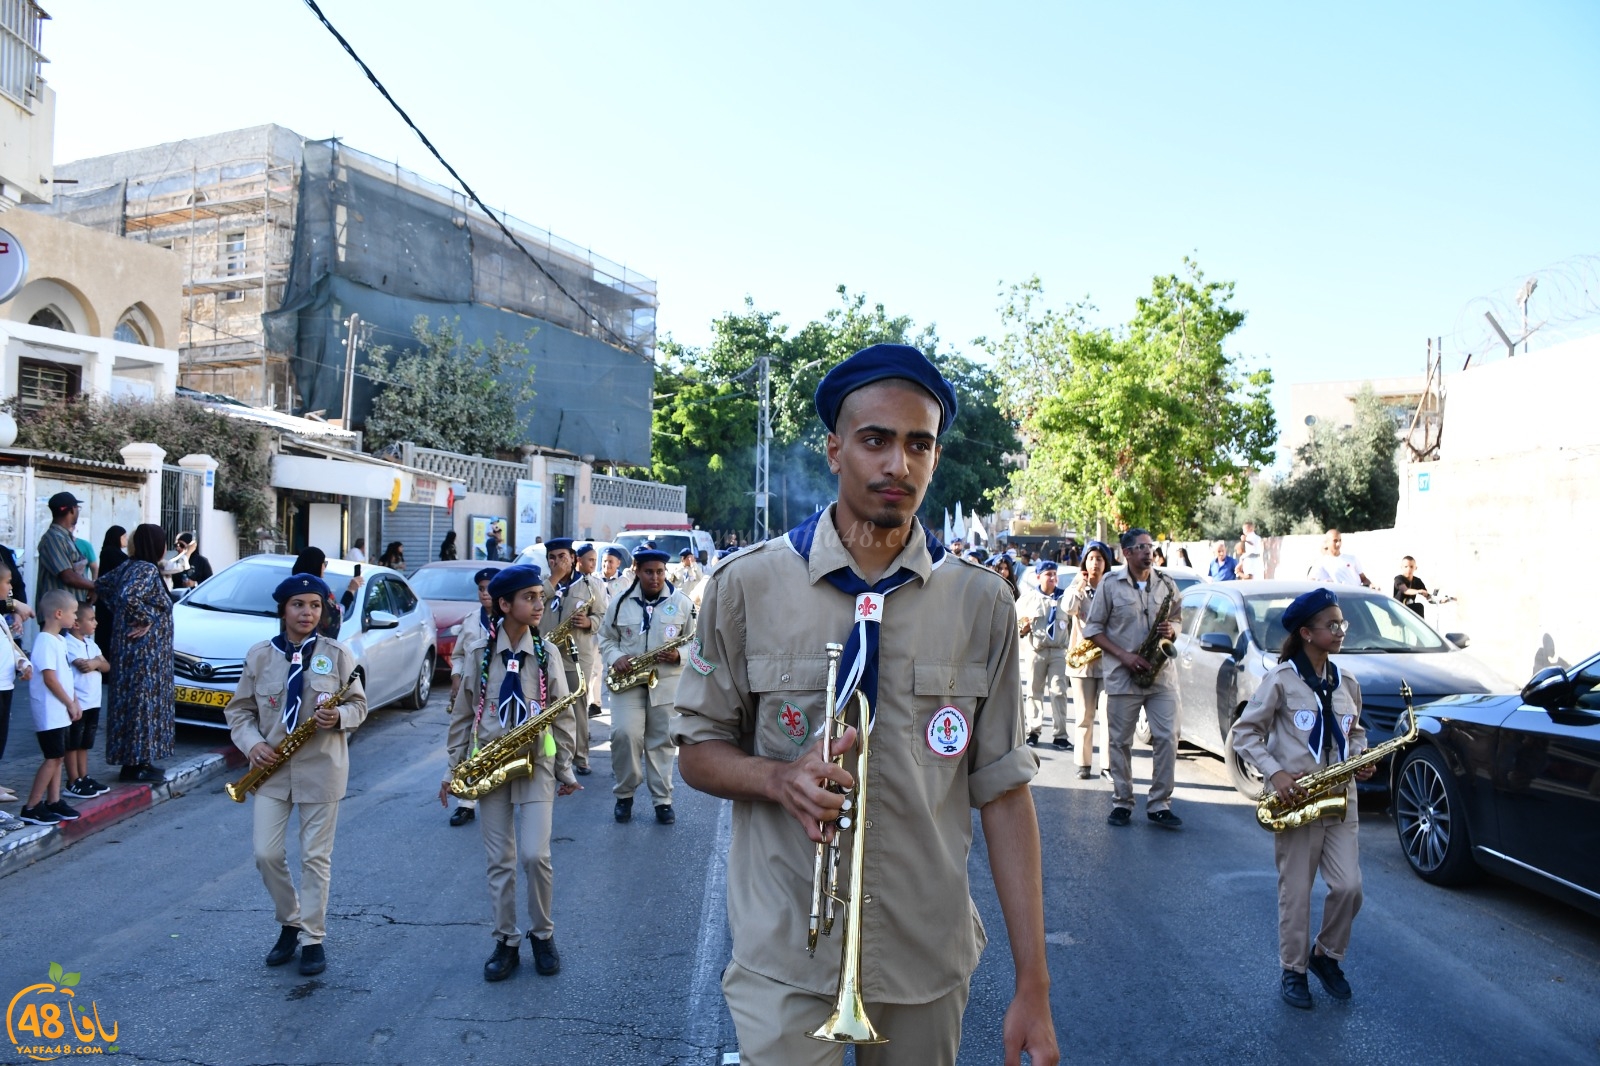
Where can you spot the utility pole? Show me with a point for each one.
(352, 333)
(763, 448)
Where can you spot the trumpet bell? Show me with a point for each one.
(848, 1024)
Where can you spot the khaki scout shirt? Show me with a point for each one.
(1075, 604)
(622, 633)
(589, 595)
(470, 628)
(1125, 614)
(756, 679)
(320, 770)
(1036, 607)
(464, 709)
(1274, 730)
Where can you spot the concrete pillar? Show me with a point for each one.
(585, 506)
(205, 524)
(147, 457)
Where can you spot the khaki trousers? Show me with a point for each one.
(1049, 687)
(1122, 715)
(518, 834)
(1087, 694)
(1331, 847)
(580, 742)
(772, 1020)
(270, 825)
(639, 736)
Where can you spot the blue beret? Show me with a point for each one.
(299, 585)
(1306, 607)
(1099, 546)
(510, 580)
(617, 553)
(994, 560)
(882, 362)
(559, 544)
(1044, 564)
(581, 550)
(486, 574)
(650, 555)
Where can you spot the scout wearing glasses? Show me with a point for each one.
(1307, 714)
(511, 675)
(285, 679)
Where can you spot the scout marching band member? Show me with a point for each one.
(286, 679)
(1306, 715)
(935, 652)
(512, 674)
(1125, 608)
(645, 615)
(1088, 687)
(475, 628)
(1046, 626)
(568, 592)
(588, 560)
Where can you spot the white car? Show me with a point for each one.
(389, 629)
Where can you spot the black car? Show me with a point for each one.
(1509, 784)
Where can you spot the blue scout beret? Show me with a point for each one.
(581, 550)
(558, 545)
(510, 580)
(298, 585)
(650, 555)
(617, 554)
(1044, 564)
(686, 551)
(1306, 607)
(486, 574)
(880, 363)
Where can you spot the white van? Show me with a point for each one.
(673, 541)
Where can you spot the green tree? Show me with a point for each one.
(449, 394)
(703, 437)
(1139, 424)
(1346, 477)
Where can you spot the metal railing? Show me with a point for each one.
(607, 491)
(493, 477)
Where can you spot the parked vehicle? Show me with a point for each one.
(451, 594)
(1509, 784)
(389, 629)
(535, 555)
(672, 541)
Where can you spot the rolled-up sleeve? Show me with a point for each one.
(714, 700)
(1000, 759)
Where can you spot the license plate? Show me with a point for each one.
(204, 697)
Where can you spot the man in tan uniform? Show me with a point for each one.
(948, 735)
(1045, 624)
(568, 592)
(1128, 603)
(587, 563)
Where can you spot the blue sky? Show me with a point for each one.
(1362, 171)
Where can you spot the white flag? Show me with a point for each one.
(960, 529)
(947, 525)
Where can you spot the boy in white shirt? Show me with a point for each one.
(88, 664)
(13, 664)
(55, 708)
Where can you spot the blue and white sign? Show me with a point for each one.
(1422, 482)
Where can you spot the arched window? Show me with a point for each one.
(49, 318)
(128, 333)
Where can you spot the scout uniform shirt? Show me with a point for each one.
(948, 736)
(1075, 605)
(1037, 605)
(622, 633)
(319, 771)
(464, 710)
(1125, 613)
(587, 588)
(1277, 727)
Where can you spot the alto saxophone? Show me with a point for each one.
(563, 637)
(1327, 789)
(1154, 649)
(508, 755)
(286, 747)
(1085, 651)
(642, 671)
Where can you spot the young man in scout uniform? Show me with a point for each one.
(476, 629)
(286, 679)
(1046, 627)
(587, 562)
(645, 615)
(507, 681)
(1127, 605)
(948, 734)
(568, 592)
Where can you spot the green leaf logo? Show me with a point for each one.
(55, 972)
(70, 979)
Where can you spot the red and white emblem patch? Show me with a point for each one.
(869, 607)
(1347, 723)
(794, 722)
(948, 732)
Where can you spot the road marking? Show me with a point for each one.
(1062, 939)
(705, 994)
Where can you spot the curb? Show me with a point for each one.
(26, 846)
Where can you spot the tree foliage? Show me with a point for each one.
(1346, 477)
(1138, 424)
(446, 393)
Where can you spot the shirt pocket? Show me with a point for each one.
(945, 709)
(790, 693)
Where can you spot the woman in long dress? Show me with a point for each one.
(139, 699)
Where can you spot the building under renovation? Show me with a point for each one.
(283, 239)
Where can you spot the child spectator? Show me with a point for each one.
(87, 665)
(55, 708)
(14, 664)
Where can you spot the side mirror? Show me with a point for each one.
(1216, 642)
(1550, 689)
(1460, 640)
(382, 620)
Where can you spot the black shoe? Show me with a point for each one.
(312, 960)
(1033, 737)
(129, 773)
(581, 769)
(664, 814)
(283, 950)
(1119, 816)
(546, 959)
(147, 775)
(1165, 819)
(1063, 743)
(40, 814)
(595, 711)
(623, 811)
(502, 962)
(1084, 773)
(1326, 969)
(81, 788)
(99, 789)
(463, 815)
(63, 810)
(1295, 991)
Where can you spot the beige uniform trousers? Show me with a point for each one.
(270, 825)
(641, 747)
(1087, 694)
(772, 1020)
(1049, 688)
(580, 743)
(1122, 715)
(1331, 847)
(518, 834)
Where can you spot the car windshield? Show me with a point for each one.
(241, 589)
(1378, 624)
(445, 583)
(671, 543)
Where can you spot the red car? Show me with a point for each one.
(451, 594)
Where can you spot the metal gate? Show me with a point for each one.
(180, 501)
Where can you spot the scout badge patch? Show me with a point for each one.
(948, 732)
(794, 722)
(699, 664)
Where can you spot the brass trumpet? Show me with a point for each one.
(848, 1024)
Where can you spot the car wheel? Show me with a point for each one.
(1431, 820)
(1246, 778)
(417, 698)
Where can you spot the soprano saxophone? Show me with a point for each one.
(510, 754)
(286, 747)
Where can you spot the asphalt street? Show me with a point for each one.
(1162, 944)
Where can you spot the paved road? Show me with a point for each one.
(1163, 945)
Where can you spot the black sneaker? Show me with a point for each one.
(99, 789)
(40, 814)
(500, 965)
(1033, 737)
(463, 815)
(594, 710)
(312, 960)
(1326, 969)
(283, 950)
(1119, 816)
(1295, 991)
(546, 959)
(623, 811)
(664, 814)
(1084, 773)
(1063, 743)
(81, 788)
(1165, 819)
(63, 810)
